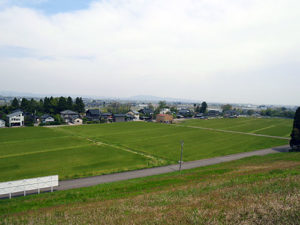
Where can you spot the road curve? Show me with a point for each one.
(91, 181)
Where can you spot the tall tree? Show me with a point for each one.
(47, 105)
(203, 107)
(15, 104)
(150, 106)
(162, 104)
(226, 107)
(24, 104)
(79, 105)
(69, 103)
(62, 104)
(295, 135)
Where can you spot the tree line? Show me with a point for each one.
(52, 106)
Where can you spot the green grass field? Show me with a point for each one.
(267, 126)
(255, 190)
(79, 151)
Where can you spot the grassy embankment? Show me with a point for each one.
(79, 151)
(256, 190)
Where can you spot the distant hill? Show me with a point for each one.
(150, 98)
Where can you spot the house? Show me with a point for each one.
(68, 116)
(164, 111)
(185, 112)
(130, 117)
(119, 118)
(146, 111)
(16, 119)
(106, 116)
(180, 116)
(2, 123)
(164, 118)
(77, 121)
(134, 114)
(231, 114)
(146, 114)
(47, 119)
(213, 113)
(199, 115)
(93, 115)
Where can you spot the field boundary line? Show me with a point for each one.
(264, 128)
(155, 158)
(160, 160)
(233, 132)
(45, 151)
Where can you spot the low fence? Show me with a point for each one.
(10, 187)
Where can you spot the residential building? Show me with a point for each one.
(2, 123)
(16, 119)
(69, 116)
(146, 111)
(146, 114)
(93, 115)
(185, 112)
(47, 119)
(213, 113)
(130, 117)
(119, 118)
(134, 114)
(164, 111)
(106, 116)
(164, 118)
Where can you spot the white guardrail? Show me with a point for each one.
(38, 183)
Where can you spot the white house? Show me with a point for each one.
(135, 114)
(164, 111)
(16, 119)
(47, 119)
(2, 123)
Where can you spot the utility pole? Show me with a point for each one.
(180, 162)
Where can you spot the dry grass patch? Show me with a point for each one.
(249, 193)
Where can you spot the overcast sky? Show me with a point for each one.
(245, 51)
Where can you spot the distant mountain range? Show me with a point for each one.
(150, 98)
(140, 98)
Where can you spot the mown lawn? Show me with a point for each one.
(255, 190)
(267, 126)
(163, 141)
(36, 151)
(79, 151)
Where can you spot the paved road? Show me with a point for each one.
(91, 181)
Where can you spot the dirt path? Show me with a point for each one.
(91, 181)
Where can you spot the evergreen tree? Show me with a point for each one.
(79, 105)
(47, 105)
(69, 103)
(24, 104)
(203, 107)
(15, 104)
(54, 106)
(62, 104)
(295, 135)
